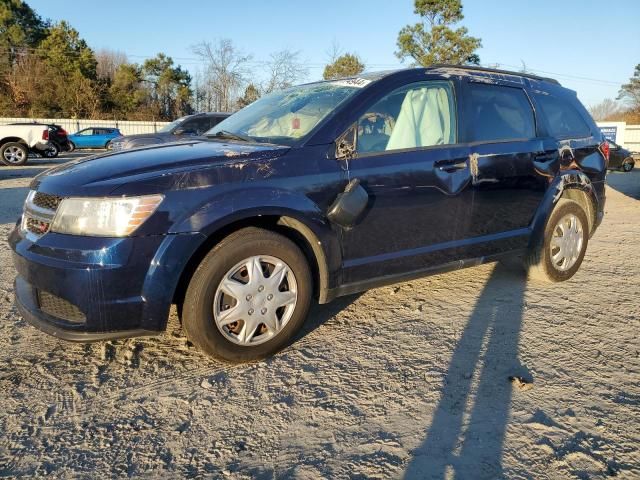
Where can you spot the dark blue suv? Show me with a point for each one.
(320, 190)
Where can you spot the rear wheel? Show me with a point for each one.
(558, 255)
(108, 145)
(14, 154)
(248, 297)
(72, 146)
(52, 151)
(628, 164)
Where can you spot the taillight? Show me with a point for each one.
(45, 134)
(604, 149)
(62, 131)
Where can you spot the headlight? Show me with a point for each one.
(104, 217)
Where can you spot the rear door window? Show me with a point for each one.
(499, 113)
(414, 116)
(562, 118)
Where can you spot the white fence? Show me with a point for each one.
(72, 125)
(625, 135)
(632, 138)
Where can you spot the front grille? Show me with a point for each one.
(45, 200)
(37, 227)
(39, 212)
(59, 308)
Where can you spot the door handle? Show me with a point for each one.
(452, 167)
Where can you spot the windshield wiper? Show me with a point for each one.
(231, 135)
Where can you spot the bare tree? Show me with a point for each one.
(285, 69)
(108, 62)
(226, 71)
(334, 51)
(605, 110)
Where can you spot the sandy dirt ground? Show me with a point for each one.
(405, 381)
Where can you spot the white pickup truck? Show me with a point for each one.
(17, 140)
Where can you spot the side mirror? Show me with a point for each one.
(179, 131)
(346, 144)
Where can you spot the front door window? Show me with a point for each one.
(414, 116)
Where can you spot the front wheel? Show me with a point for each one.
(628, 165)
(14, 154)
(72, 147)
(558, 256)
(248, 297)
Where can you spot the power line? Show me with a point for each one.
(565, 75)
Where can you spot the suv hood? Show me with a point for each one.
(161, 164)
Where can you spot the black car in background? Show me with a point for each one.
(620, 158)
(184, 127)
(58, 139)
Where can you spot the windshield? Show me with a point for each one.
(286, 116)
(172, 125)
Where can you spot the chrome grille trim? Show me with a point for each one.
(38, 213)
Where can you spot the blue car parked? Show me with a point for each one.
(93, 137)
(319, 190)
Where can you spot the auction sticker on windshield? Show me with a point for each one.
(352, 82)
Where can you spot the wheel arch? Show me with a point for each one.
(572, 185)
(285, 224)
(586, 201)
(14, 139)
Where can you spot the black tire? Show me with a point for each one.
(628, 165)
(52, 151)
(108, 145)
(18, 152)
(539, 263)
(197, 309)
(72, 146)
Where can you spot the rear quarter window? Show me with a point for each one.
(499, 113)
(563, 120)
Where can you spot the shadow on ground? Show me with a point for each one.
(36, 165)
(320, 314)
(11, 200)
(626, 183)
(22, 172)
(466, 436)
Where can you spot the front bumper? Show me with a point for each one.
(27, 304)
(112, 287)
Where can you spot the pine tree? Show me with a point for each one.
(433, 40)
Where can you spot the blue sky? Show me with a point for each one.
(567, 39)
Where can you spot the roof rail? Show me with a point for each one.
(494, 70)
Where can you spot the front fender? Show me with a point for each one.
(294, 211)
(569, 179)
